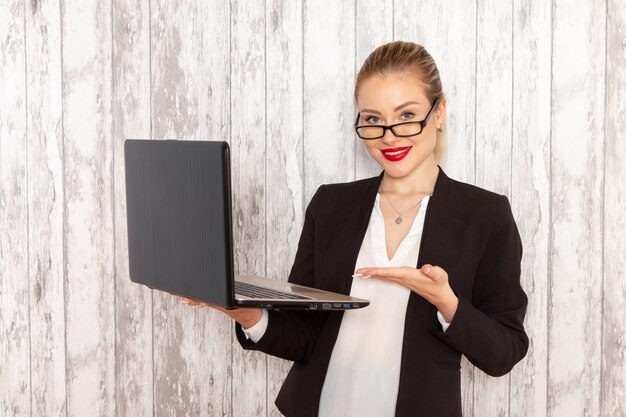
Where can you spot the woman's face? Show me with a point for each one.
(397, 98)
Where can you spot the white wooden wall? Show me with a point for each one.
(537, 111)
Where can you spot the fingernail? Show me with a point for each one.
(361, 276)
(428, 269)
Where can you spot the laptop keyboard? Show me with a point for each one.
(253, 291)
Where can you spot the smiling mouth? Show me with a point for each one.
(396, 154)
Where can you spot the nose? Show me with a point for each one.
(389, 138)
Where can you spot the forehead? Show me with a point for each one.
(381, 90)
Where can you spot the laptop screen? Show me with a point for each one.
(178, 216)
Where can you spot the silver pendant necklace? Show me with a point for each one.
(399, 218)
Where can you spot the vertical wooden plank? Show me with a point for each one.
(214, 71)
(448, 31)
(131, 119)
(174, 45)
(494, 96)
(192, 346)
(614, 280)
(329, 109)
(374, 27)
(212, 78)
(248, 136)
(530, 191)
(87, 160)
(493, 147)
(177, 330)
(284, 176)
(45, 207)
(574, 312)
(15, 389)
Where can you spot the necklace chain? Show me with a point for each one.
(399, 218)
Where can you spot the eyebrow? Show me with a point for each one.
(395, 109)
(405, 104)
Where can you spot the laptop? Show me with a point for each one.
(180, 234)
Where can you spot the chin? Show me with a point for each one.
(395, 170)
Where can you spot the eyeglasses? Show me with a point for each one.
(401, 130)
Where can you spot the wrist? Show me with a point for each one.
(250, 319)
(447, 305)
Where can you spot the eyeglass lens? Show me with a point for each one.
(406, 129)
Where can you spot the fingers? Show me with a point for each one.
(393, 272)
(186, 300)
(192, 302)
(196, 303)
(434, 272)
(247, 317)
(401, 275)
(429, 282)
(426, 269)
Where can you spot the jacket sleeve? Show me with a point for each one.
(292, 334)
(489, 329)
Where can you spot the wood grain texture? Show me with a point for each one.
(613, 380)
(494, 74)
(45, 207)
(175, 49)
(191, 346)
(530, 194)
(211, 78)
(248, 140)
(15, 393)
(328, 71)
(448, 31)
(374, 27)
(574, 311)
(284, 214)
(131, 119)
(176, 328)
(87, 170)
(275, 79)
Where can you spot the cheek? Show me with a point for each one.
(428, 143)
(370, 146)
(432, 142)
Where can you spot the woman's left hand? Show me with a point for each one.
(429, 282)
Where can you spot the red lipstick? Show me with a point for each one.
(396, 154)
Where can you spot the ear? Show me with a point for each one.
(440, 111)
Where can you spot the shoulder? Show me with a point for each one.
(469, 197)
(344, 195)
(341, 188)
(484, 215)
(472, 194)
(471, 203)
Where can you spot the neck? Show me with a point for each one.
(419, 181)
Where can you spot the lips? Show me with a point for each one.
(396, 154)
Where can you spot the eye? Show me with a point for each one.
(407, 115)
(373, 120)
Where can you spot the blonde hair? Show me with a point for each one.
(407, 57)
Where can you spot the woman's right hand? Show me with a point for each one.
(247, 317)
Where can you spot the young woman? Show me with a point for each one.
(438, 259)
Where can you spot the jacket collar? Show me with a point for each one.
(436, 205)
(435, 214)
(433, 222)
